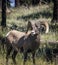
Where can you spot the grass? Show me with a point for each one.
(19, 16)
(19, 59)
(24, 14)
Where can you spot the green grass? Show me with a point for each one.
(19, 59)
(23, 14)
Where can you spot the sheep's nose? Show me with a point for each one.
(33, 32)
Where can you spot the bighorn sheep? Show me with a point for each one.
(24, 42)
(29, 42)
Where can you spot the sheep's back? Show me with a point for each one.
(14, 36)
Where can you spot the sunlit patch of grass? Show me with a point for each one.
(51, 36)
(23, 11)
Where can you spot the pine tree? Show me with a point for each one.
(55, 12)
(3, 22)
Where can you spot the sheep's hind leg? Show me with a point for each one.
(14, 56)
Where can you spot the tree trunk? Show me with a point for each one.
(55, 12)
(17, 3)
(3, 23)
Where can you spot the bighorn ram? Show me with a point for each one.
(29, 42)
(24, 42)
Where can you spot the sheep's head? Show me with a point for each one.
(38, 27)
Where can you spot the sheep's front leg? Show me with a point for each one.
(33, 57)
(14, 56)
(8, 54)
(25, 58)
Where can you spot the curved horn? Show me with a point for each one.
(29, 26)
(46, 26)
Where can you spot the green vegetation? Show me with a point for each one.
(19, 59)
(33, 13)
